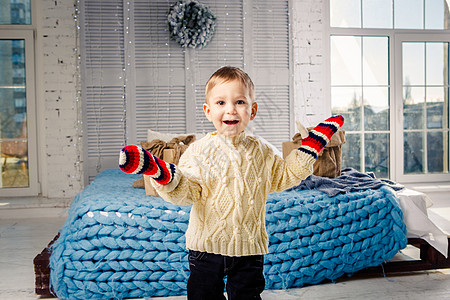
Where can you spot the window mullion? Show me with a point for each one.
(363, 129)
(361, 13)
(425, 117)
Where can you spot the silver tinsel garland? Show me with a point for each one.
(191, 23)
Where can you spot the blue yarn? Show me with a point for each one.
(118, 243)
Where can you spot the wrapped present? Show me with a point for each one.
(170, 156)
(288, 147)
(328, 163)
(168, 151)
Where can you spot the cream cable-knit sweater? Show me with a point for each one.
(228, 180)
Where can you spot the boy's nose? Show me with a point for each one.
(231, 109)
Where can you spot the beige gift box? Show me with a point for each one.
(328, 163)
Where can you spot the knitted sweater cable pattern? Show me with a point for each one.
(227, 180)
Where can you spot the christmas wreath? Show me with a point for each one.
(191, 23)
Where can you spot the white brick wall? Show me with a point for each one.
(308, 62)
(59, 145)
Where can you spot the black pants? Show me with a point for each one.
(245, 278)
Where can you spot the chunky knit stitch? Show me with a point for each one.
(115, 244)
(227, 179)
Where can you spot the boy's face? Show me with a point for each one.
(230, 108)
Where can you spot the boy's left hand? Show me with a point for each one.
(320, 135)
(136, 160)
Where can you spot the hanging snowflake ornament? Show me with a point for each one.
(191, 23)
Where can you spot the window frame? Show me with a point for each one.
(399, 166)
(26, 33)
(363, 131)
(395, 36)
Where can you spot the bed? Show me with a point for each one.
(119, 243)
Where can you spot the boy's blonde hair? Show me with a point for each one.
(226, 74)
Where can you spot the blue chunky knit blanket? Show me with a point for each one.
(118, 243)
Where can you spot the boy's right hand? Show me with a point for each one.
(136, 160)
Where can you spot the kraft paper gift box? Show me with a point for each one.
(168, 156)
(328, 163)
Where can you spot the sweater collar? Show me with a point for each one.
(231, 140)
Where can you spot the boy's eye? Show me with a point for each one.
(220, 102)
(240, 102)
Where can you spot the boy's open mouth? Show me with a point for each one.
(231, 122)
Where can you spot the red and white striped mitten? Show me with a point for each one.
(320, 135)
(136, 160)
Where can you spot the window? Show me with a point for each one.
(360, 92)
(15, 12)
(17, 104)
(389, 63)
(424, 94)
(137, 78)
(389, 14)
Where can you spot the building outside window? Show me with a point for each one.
(17, 122)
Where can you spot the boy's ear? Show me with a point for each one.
(207, 111)
(254, 110)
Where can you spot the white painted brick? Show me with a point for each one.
(58, 35)
(308, 61)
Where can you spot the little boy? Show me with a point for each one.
(226, 176)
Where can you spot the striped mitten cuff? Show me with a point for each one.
(135, 160)
(320, 135)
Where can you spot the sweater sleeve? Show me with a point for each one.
(290, 171)
(185, 188)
